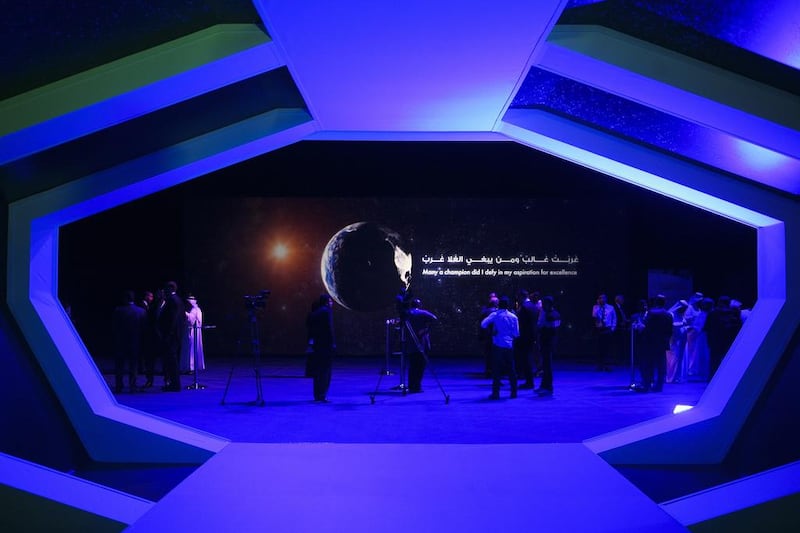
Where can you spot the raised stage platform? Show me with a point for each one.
(405, 487)
(376, 458)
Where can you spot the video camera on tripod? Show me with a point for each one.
(412, 320)
(252, 303)
(257, 301)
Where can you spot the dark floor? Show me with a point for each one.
(454, 407)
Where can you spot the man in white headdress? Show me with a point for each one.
(192, 349)
(693, 320)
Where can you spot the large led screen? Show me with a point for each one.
(377, 219)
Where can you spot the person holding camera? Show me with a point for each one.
(419, 321)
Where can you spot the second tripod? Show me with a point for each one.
(252, 303)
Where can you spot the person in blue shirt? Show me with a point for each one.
(505, 326)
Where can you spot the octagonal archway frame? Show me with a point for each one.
(702, 435)
(112, 432)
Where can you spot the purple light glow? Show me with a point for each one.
(764, 159)
(747, 159)
(773, 36)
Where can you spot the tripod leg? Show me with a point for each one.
(433, 373)
(228, 384)
(377, 386)
(403, 372)
(403, 385)
(388, 350)
(633, 366)
(259, 395)
(424, 353)
(256, 348)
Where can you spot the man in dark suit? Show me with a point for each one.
(525, 344)
(171, 326)
(320, 331)
(128, 325)
(147, 354)
(722, 326)
(547, 326)
(484, 335)
(655, 343)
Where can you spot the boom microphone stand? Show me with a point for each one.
(390, 322)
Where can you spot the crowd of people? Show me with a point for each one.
(158, 327)
(518, 338)
(685, 342)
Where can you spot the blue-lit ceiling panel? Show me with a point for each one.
(765, 27)
(758, 39)
(41, 42)
(656, 129)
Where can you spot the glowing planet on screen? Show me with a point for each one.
(364, 266)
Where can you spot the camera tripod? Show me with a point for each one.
(405, 328)
(256, 350)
